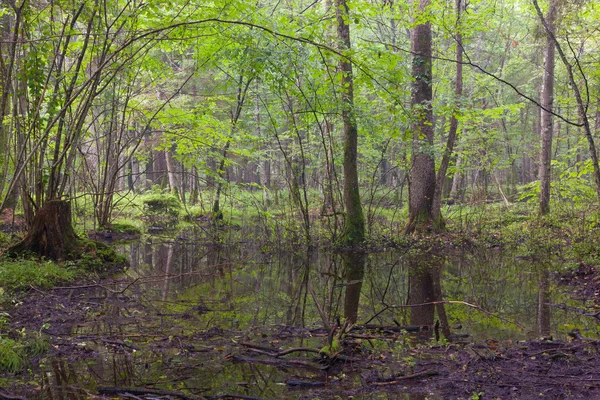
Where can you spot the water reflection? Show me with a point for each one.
(354, 267)
(425, 295)
(543, 304)
(183, 289)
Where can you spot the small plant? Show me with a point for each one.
(11, 355)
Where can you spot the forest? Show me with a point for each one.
(208, 199)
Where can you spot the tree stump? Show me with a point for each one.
(51, 234)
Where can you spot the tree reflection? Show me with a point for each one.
(354, 267)
(543, 307)
(425, 294)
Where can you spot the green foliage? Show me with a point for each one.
(127, 226)
(161, 204)
(21, 274)
(11, 355)
(100, 258)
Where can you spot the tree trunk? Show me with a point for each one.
(452, 134)
(354, 225)
(545, 112)
(173, 185)
(194, 195)
(51, 234)
(421, 185)
(581, 104)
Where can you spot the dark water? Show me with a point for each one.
(175, 320)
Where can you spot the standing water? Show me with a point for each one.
(196, 319)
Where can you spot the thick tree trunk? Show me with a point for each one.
(546, 116)
(354, 225)
(51, 234)
(421, 185)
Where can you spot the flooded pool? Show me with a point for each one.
(205, 319)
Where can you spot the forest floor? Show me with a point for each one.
(105, 320)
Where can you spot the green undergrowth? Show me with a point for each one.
(127, 226)
(21, 274)
(14, 354)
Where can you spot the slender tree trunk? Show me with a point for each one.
(217, 213)
(581, 105)
(452, 134)
(173, 185)
(354, 225)
(547, 101)
(194, 186)
(421, 185)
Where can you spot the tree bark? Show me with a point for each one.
(354, 224)
(51, 234)
(547, 101)
(173, 185)
(421, 185)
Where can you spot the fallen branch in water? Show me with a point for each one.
(233, 396)
(143, 391)
(278, 362)
(406, 377)
(275, 352)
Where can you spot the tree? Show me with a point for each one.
(421, 186)
(452, 134)
(547, 101)
(354, 224)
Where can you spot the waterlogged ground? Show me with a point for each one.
(191, 319)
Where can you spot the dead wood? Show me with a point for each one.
(143, 391)
(399, 379)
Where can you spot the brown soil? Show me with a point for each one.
(85, 320)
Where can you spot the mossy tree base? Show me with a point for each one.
(424, 222)
(51, 234)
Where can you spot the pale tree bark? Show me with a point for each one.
(354, 224)
(452, 133)
(173, 185)
(421, 185)
(547, 100)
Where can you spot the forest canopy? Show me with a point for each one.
(340, 108)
